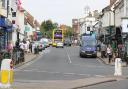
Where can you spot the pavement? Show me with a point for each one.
(105, 61)
(63, 84)
(28, 57)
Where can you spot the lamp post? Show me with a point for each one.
(18, 40)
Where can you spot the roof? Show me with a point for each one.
(106, 9)
(116, 5)
(29, 18)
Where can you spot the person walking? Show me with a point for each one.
(109, 53)
(10, 49)
(103, 50)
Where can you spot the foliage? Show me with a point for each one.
(47, 28)
(69, 31)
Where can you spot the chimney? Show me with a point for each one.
(112, 2)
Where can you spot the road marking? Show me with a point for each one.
(90, 66)
(35, 70)
(99, 60)
(70, 61)
(101, 76)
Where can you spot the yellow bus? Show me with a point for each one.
(57, 36)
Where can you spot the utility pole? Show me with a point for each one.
(7, 8)
(7, 20)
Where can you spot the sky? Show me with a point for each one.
(61, 11)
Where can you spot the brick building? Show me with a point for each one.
(76, 30)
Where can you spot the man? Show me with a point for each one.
(103, 50)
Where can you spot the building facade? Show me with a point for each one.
(76, 30)
(5, 23)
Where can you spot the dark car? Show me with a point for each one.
(67, 43)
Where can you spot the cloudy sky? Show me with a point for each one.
(61, 11)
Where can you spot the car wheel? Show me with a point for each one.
(81, 55)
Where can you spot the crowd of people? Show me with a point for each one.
(25, 45)
(108, 52)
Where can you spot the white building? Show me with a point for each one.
(18, 22)
(106, 29)
(86, 24)
(120, 7)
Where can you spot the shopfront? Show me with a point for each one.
(5, 28)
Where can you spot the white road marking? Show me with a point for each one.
(35, 70)
(101, 76)
(70, 61)
(90, 66)
(99, 60)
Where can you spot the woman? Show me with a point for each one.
(109, 53)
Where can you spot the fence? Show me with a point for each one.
(17, 56)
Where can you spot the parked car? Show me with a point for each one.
(60, 44)
(39, 45)
(50, 42)
(45, 42)
(67, 43)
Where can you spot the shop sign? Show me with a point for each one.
(125, 25)
(2, 22)
(27, 29)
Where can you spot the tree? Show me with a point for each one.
(47, 28)
(68, 32)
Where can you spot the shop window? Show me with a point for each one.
(13, 14)
(4, 4)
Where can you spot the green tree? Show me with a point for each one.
(69, 32)
(47, 28)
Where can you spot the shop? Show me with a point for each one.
(5, 31)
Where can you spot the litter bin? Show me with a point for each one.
(36, 50)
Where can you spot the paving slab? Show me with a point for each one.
(60, 84)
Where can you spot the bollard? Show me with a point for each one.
(118, 67)
(6, 73)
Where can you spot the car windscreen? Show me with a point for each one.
(89, 43)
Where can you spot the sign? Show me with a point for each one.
(27, 29)
(125, 25)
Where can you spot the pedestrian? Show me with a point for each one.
(103, 50)
(22, 45)
(28, 42)
(109, 53)
(10, 49)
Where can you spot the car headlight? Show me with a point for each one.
(82, 51)
(94, 51)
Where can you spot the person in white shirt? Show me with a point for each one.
(21, 45)
(109, 53)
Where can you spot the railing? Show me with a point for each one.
(17, 56)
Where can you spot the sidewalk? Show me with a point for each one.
(62, 84)
(28, 57)
(105, 60)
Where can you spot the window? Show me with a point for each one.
(88, 28)
(13, 14)
(4, 4)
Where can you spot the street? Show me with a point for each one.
(61, 64)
